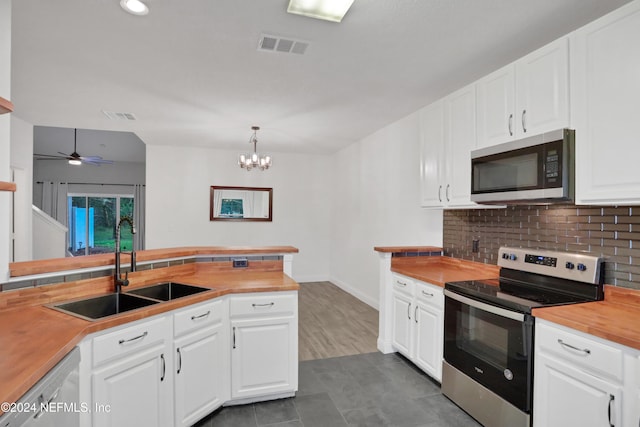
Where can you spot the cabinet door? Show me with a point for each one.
(565, 396)
(432, 155)
(605, 65)
(264, 357)
(134, 391)
(429, 327)
(460, 137)
(401, 331)
(201, 374)
(542, 89)
(495, 107)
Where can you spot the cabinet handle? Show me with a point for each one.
(179, 361)
(401, 283)
(415, 314)
(409, 311)
(263, 305)
(139, 337)
(524, 123)
(427, 294)
(446, 193)
(510, 124)
(440, 191)
(201, 316)
(611, 399)
(234, 337)
(582, 350)
(164, 367)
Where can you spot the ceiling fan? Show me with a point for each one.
(75, 158)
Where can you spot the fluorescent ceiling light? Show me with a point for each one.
(135, 7)
(329, 10)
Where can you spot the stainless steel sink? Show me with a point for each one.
(106, 305)
(168, 291)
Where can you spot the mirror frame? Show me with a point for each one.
(217, 187)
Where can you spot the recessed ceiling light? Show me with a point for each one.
(134, 7)
(329, 10)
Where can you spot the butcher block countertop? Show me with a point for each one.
(616, 319)
(438, 270)
(35, 338)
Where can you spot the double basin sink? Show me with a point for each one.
(95, 308)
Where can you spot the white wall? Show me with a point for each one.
(178, 183)
(5, 134)
(376, 202)
(22, 165)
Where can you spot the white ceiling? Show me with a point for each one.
(110, 145)
(191, 72)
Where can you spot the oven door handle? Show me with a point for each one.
(484, 306)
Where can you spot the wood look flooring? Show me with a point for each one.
(333, 323)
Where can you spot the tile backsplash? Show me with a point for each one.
(611, 232)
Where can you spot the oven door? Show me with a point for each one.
(491, 345)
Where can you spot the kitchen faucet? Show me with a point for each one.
(117, 277)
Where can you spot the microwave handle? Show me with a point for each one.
(484, 306)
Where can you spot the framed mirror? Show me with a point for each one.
(240, 203)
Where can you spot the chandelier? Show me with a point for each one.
(255, 160)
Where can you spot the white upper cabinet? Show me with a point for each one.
(527, 97)
(605, 89)
(448, 134)
(496, 107)
(460, 137)
(432, 154)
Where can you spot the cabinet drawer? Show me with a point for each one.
(582, 350)
(403, 284)
(430, 294)
(263, 304)
(196, 317)
(130, 339)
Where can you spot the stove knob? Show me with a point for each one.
(582, 267)
(513, 257)
(569, 265)
(505, 255)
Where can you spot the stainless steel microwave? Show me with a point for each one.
(537, 169)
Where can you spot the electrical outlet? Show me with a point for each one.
(475, 246)
(240, 262)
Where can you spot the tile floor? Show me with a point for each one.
(365, 390)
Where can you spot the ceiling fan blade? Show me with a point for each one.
(90, 158)
(64, 154)
(52, 156)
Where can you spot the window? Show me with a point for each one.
(92, 223)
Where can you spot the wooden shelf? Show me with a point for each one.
(7, 186)
(5, 106)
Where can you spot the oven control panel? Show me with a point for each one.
(541, 260)
(572, 266)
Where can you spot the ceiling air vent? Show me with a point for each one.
(279, 44)
(113, 115)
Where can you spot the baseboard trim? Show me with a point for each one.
(355, 292)
(304, 279)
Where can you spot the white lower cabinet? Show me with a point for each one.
(582, 380)
(174, 369)
(201, 362)
(418, 323)
(131, 380)
(264, 345)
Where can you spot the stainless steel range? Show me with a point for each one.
(488, 331)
